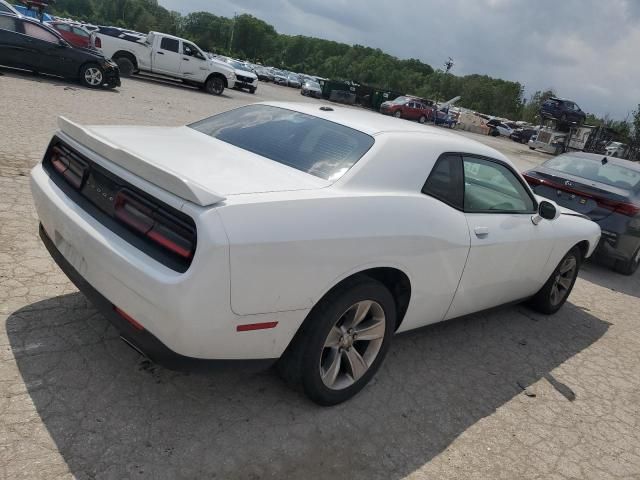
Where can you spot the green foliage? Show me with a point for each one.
(634, 136)
(253, 39)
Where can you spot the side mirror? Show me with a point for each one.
(547, 210)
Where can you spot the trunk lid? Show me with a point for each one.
(193, 166)
(594, 199)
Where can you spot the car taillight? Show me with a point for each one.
(531, 180)
(154, 223)
(624, 208)
(72, 169)
(97, 42)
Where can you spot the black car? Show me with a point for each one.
(564, 110)
(29, 45)
(607, 190)
(523, 135)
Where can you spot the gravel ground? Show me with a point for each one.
(508, 394)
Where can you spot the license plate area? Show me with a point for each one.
(70, 253)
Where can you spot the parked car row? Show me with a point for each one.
(412, 108)
(27, 44)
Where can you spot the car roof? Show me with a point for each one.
(613, 160)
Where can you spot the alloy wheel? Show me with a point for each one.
(352, 345)
(564, 280)
(93, 76)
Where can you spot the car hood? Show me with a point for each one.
(188, 163)
(246, 73)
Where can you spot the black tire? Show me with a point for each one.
(422, 119)
(563, 118)
(398, 114)
(532, 148)
(214, 85)
(85, 75)
(628, 267)
(126, 66)
(252, 90)
(543, 301)
(301, 363)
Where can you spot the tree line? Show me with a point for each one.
(253, 39)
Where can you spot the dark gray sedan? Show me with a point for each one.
(607, 190)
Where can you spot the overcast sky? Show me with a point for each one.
(587, 50)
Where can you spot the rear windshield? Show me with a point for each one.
(594, 170)
(304, 142)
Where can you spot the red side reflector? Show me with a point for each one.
(247, 327)
(128, 318)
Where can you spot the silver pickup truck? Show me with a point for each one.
(165, 55)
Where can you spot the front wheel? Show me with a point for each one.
(555, 292)
(342, 342)
(214, 86)
(92, 75)
(252, 90)
(398, 114)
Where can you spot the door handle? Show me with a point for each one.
(160, 53)
(481, 231)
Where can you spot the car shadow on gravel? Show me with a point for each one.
(150, 78)
(67, 84)
(113, 414)
(599, 272)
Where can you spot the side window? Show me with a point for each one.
(445, 181)
(170, 44)
(191, 50)
(36, 31)
(492, 187)
(80, 32)
(8, 23)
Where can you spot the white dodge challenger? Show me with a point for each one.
(296, 234)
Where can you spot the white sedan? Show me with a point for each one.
(296, 233)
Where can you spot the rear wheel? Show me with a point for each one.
(422, 119)
(555, 292)
(342, 342)
(214, 86)
(92, 75)
(126, 66)
(628, 267)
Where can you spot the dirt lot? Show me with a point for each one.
(503, 395)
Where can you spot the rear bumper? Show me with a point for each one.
(190, 313)
(142, 340)
(620, 247)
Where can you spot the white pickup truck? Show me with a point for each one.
(165, 55)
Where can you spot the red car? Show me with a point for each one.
(74, 34)
(407, 107)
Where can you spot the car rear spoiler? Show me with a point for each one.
(164, 178)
